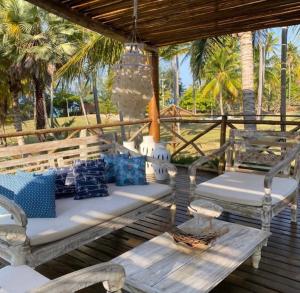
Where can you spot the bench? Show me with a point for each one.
(35, 241)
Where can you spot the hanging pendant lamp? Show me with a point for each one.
(132, 87)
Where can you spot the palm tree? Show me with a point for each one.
(247, 65)
(94, 52)
(171, 53)
(292, 64)
(12, 27)
(272, 84)
(32, 41)
(198, 51)
(43, 50)
(265, 45)
(221, 71)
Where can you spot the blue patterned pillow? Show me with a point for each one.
(90, 179)
(35, 193)
(7, 184)
(64, 183)
(110, 166)
(131, 171)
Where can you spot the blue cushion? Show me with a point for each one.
(64, 183)
(35, 194)
(131, 171)
(7, 184)
(90, 179)
(110, 165)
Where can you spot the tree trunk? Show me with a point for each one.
(221, 103)
(175, 64)
(39, 103)
(290, 83)
(51, 104)
(246, 48)
(194, 97)
(95, 94)
(260, 76)
(67, 104)
(16, 111)
(46, 114)
(84, 111)
(15, 88)
(284, 33)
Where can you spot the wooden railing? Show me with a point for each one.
(222, 124)
(186, 136)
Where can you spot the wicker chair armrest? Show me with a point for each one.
(201, 161)
(18, 214)
(111, 275)
(292, 155)
(13, 235)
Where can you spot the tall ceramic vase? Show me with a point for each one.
(161, 153)
(146, 149)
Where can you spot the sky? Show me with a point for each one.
(186, 76)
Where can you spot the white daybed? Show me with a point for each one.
(35, 241)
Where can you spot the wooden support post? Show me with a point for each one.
(223, 141)
(154, 103)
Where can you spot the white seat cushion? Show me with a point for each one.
(245, 188)
(20, 279)
(74, 216)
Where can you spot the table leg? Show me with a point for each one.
(256, 257)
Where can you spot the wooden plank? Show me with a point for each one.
(47, 146)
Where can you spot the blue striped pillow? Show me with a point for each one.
(90, 179)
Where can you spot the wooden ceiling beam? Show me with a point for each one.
(63, 11)
(171, 39)
(163, 22)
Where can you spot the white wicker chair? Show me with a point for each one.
(244, 190)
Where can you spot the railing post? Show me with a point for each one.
(223, 141)
(154, 103)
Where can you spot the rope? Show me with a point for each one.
(135, 17)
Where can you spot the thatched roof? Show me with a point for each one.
(164, 22)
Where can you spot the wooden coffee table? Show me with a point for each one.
(160, 265)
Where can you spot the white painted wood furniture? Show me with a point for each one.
(244, 190)
(161, 266)
(35, 241)
(30, 281)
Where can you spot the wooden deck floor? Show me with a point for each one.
(280, 265)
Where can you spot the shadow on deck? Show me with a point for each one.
(279, 269)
